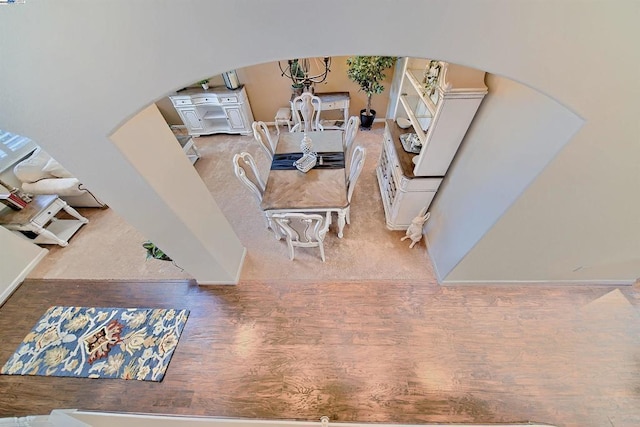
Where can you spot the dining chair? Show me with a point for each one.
(350, 132)
(356, 165)
(262, 135)
(245, 169)
(303, 230)
(247, 172)
(306, 111)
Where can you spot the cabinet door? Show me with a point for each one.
(191, 119)
(234, 116)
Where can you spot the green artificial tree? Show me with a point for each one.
(368, 72)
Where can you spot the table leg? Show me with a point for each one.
(346, 115)
(74, 213)
(46, 233)
(341, 222)
(271, 224)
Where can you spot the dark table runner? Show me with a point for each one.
(330, 160)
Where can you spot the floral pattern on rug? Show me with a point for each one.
(97, 342)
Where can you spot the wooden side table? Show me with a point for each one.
(39, 217)
(189, 147)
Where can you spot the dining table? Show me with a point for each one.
(323, 189)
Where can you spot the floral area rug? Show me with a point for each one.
(95, 342)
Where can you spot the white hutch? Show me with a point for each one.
(215, 110)
(440, 114)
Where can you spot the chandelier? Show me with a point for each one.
(301, 74)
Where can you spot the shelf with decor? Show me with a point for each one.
(439, 100)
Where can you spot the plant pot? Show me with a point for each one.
(367, 121)
(205, 86)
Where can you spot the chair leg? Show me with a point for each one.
(341, 220)
(321, 246)
(291, 250)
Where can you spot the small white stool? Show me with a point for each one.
(283, 115)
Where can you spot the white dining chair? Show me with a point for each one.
(262, 135)
(247, 172)
(350, 132)
(303, 230)
(245, 169)
(306, 113)
(355, 168)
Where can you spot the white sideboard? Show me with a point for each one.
(440, 115)
(404, 194)
(215, 110)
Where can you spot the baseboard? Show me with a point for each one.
(436, 272)
(586, 282)
(6, 293)
(238, 273)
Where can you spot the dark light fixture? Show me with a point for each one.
(300, 73)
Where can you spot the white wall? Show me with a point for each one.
(69, 80)
(17, 258)
(148, 135)
(512, 138)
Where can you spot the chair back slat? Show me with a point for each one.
(306, 109)
(303, 230)
(245, 169)
(262, 135)
(356, 165)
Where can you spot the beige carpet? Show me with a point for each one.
(108, 248)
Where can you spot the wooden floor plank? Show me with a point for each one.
(397, 352)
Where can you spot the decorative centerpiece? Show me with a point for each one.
(306, 145)
(306, 162)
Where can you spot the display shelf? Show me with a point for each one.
(408, 182)
(429, 102)
(405, 100)
(212, 115)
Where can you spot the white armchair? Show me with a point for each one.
(41, 174)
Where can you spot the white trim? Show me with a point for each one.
(573, 282)
(123, 419)
(436, 272)
(238, 273)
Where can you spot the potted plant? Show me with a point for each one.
(204, 83)
(368, 72)
(297, 72)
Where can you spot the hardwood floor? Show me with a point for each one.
(399, 352)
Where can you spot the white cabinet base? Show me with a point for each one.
(404, 195)
(215, 110)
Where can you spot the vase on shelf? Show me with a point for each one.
(306, 145)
